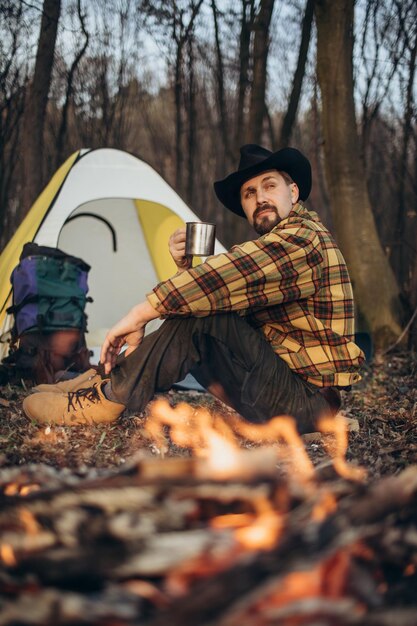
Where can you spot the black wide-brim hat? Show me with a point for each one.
(253, 161)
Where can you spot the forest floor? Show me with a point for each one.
(384, 403)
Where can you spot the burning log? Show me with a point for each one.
(162, 546)
(227, 537)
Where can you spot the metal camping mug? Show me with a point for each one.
(199, 238)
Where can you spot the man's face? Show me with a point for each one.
(267, 199)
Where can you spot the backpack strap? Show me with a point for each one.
(15, 308)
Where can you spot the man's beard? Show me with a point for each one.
(268, 221)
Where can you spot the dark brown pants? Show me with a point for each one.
(222, 352)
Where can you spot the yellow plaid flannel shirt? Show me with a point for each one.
(292, 283)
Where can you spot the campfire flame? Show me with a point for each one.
(29, 522)
(327, 580)
(259, 530)
(263, 533)
(14, 489)
(244, 517)
(337, 447)
(222, 455)
(209, 437)
(216, 444)
(325, 506)
(11, 489)
(7, 555)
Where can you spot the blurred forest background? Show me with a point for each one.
(184, 83)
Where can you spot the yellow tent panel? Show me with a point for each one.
(158, 224)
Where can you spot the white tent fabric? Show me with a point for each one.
(118, 279)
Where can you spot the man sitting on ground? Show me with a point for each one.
(267, 327)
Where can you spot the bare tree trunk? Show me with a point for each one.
(257, 108)
(373, 280)
(192, 123)
(270, 127)
(69, 91)
(178, 95)
(401, 254)
(244, 56)
(35, 105)
(319, 190)
(412, 339)
(289, 118)
(181, 34)
(221, 98)
(11, 112)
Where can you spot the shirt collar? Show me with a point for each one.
(297, 215)
(298, 211)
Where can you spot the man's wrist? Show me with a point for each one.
(144, 313)
(184, 263)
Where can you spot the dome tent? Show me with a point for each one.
(115, 212)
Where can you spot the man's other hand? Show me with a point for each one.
(128, 331)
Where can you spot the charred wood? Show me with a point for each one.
(164, 542)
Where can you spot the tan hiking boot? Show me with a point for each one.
(83, 406)
(86, 379)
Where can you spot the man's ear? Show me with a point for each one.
(295, 193)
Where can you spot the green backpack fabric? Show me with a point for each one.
(49, 297)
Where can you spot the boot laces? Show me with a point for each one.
(90, 394)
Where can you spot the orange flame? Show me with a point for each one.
(326, 580)
(13, 489)
(26, 489)
(263, 533)
(232, 520)
(259, 530)
(222, 455)
(29, 522)
(336, 426)
(326, 505)
(210, 437)
(7, 554)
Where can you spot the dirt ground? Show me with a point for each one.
(384, 403)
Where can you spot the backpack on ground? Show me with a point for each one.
(49, 297)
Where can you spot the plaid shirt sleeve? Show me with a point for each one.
(280, 267)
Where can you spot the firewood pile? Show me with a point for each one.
(234, 537)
